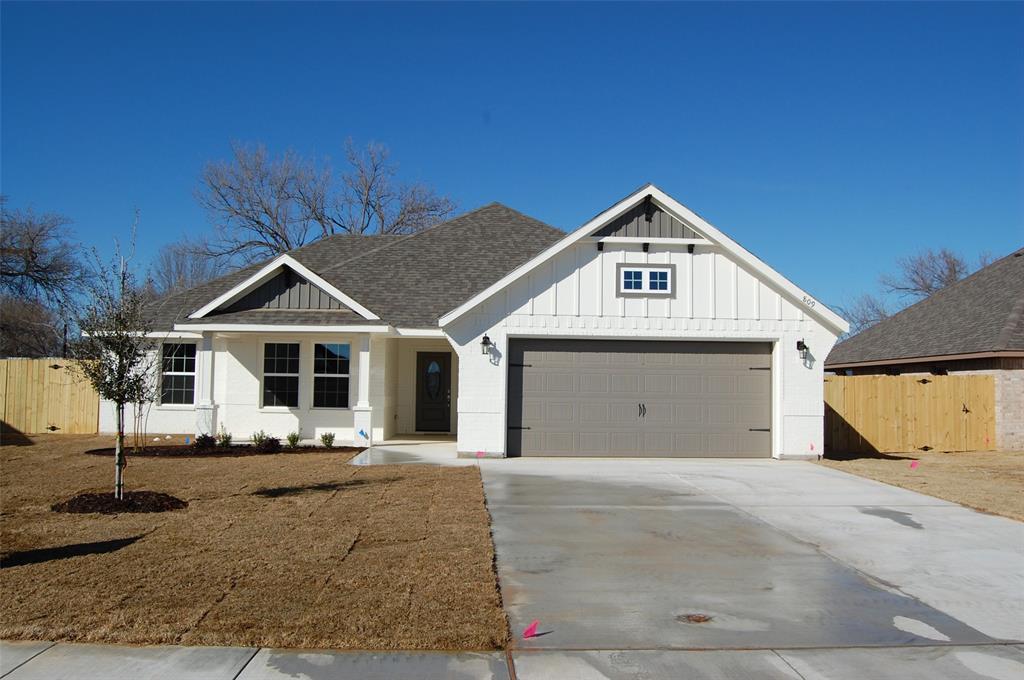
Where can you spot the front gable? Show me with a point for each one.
(646, 220)
(283, 283)
(714, 278)
(285, 290)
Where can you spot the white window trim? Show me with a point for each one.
(264, 375)
(312, 383)
(645, 289)
(174, 405)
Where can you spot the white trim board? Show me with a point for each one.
(783, 285)
(269, 270)
(272, 328)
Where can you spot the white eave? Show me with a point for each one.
(268, 271)
(279, 328)
(711, 236)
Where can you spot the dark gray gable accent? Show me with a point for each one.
(286, 290)
(646, 220)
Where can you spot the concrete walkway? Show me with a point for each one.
(47, 661)
(804, 572)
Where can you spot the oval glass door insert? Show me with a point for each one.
(433, 380)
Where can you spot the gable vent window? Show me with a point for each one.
(330, 375)
(178, 373)
(281, 374)
(645, 280)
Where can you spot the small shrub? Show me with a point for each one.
(327, 439)
(293, 439)
(224, 439)
(269, 445)
(258, 438)
(203, 442)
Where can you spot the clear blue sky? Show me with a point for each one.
(829, 139)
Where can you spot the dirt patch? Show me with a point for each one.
(132, 501)
(274, 550)
(184, 451)
(988, 481)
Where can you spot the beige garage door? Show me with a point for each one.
(639, 398)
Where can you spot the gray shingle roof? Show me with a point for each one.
(982, 313)
(409, 281)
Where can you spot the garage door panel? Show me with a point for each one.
(582, 397)
(624, 383)
(623, 441)
(594, 383)
(657, 383)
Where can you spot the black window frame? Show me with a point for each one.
(332, 377)
(178, 374)
(280, 385)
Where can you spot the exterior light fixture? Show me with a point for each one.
(485, 345)
(802, 347)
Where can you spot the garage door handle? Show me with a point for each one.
(517, 427)
(641, 410)
(759, 429)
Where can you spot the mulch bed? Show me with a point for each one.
(133, 501)
(184, 451)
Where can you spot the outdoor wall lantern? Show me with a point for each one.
(485, 345)
(802, 347)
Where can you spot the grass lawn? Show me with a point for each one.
(989, 481)
(279, 550)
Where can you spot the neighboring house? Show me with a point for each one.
(645, 332)
(974, 326)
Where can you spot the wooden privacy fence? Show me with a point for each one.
(890, 414)
(45, 395)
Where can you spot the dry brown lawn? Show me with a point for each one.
(992, 482)
(279, 550)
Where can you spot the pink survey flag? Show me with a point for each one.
(531, 630)
(914, 464)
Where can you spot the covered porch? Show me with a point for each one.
(365, 386)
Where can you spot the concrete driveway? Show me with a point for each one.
(616, 555)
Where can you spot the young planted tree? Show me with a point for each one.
(115, 352)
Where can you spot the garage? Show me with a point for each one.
(639, 398)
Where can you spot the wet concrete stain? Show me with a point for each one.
(904, 518)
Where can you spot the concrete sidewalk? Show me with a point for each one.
(65, 661)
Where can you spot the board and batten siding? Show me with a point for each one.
(575, 295)
(646, 222)
(287, 290)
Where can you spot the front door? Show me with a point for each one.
(433, 392)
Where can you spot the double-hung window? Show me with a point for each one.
(281, 374)
(178, 373)
(330, 375)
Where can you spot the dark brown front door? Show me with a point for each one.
(433, 392)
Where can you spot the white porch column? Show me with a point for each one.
(363, 412)
(206, 410)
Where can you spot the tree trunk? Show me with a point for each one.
(119, 455)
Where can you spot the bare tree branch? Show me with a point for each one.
(178, 267)
(38, 260)
(261, 206)
(864, 312)
(925, 273)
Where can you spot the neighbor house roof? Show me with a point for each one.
(408, 281)
(982, 314)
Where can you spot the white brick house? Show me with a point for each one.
(645, 332)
